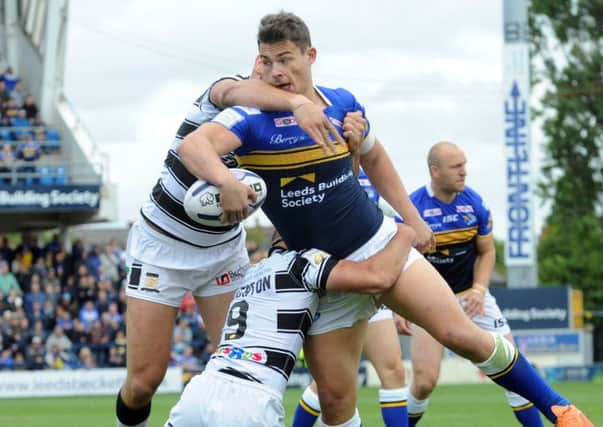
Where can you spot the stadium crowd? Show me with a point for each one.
(65, 309)
(24, 136)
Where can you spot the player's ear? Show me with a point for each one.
(311, 54)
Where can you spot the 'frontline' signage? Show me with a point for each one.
(520, 247)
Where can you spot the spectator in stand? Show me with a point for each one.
(7, 161)
(86, 359)
(58, 339)
(64, 319)
(8, 281)
(35, 355)
(58, 359)
(120, 343)
(110, 263)
(89, 314)
(29, 250)
(10, 79)
(116, 360)
(102, 301)
(14, 300)
(20, 364)
(9, 111)
(187, 359)
(183, 330)
(4, 96)
(114, 314)
(39, 330)
(35, 295)
(78, 335)
(99, 341)
(19, 94)
(30, 107)
(7, 361)
(29, 151)
(6, 252)
(36, 312)
(22, 121)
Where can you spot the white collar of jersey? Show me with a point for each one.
(429, 190)
(323, 96)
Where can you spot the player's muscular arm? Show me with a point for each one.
(200, 152)
(482, 270)
(380, 170)
(379, 272)
(256, 93)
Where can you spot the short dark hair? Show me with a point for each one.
(284, 26)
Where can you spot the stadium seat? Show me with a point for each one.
(60, 175)
(46, 175)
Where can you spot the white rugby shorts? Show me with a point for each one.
(214, 399)
(493, 319)
(163, 270)
(338, 310)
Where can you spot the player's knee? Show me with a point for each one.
(392, 375)
(336, 400)
(142, 387)
(423, 383)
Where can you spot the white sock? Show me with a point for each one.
(416, 406)
(311, 399)
(393, 394)
(355, 421)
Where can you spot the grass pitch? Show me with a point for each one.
(481, 405)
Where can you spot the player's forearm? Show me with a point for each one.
(201, 158)
(483, 268)
(256, 93)
(380, 170)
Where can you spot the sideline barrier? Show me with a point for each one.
(93, 382)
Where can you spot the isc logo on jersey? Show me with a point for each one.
(202, 200)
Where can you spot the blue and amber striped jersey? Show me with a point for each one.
(313, 199)
(456, 226)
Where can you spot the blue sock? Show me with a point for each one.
(413, 419)
(394, 407)
(520, 377)
(528, 415)
(307, 411)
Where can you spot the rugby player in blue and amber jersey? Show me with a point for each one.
(314, 201)
(465, 257)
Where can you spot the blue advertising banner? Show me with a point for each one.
(49, 198)
(567, 342)
(535, 308)
(592, 373)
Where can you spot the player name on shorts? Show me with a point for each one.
(310, 194)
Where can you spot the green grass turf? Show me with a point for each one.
(466, 406)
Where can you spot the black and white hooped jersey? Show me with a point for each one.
(269, 316)
(164, 208)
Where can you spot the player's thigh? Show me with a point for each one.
(213, 309)
(426, 355)
(149, 329)
(334, 357)
(422, 296)
(382, 348)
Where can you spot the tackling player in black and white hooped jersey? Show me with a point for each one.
(266, 325)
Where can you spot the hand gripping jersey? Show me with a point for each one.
(164, 208)
(270, 315)
(313, 199)
(456, 226)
